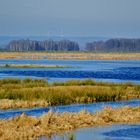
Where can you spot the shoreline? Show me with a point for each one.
(69, 56)
(31, 66)
(29, 127)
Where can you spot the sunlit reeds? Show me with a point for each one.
(73, 91)
(32, 66)
(70, 55)
(30, 127)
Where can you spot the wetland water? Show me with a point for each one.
(111, 132)
(94, 107)
(114, 71)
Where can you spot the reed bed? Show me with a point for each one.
(62, 93)
(28, 127)
(70, 55)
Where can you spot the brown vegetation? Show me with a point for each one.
(29, 127)
(70, 55)
(6, 103)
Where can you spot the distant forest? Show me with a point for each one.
(114, 45)
(47, 45)
(111, 45)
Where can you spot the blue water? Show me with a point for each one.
(129, 131)
(94, 107)
(116, 71)
(111, 132)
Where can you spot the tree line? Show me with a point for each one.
(47, 45)
(111, 45)
(114, 45)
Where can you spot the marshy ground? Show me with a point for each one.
(27, 93)
(70, 55)
(17, 93)
(29, 127)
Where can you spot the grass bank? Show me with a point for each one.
(32, 66)
(28, 127)
(62, 93)
(70, 55)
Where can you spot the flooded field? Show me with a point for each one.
(112, 71)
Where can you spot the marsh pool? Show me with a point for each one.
(114, 71)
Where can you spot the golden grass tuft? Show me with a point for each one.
(29, 127)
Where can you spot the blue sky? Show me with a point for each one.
(106, 18)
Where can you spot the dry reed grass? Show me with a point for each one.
(6, 103)
(28, 127)
(70, 55)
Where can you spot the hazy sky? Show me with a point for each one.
(106, 18)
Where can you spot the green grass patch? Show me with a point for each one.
(73, 91)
